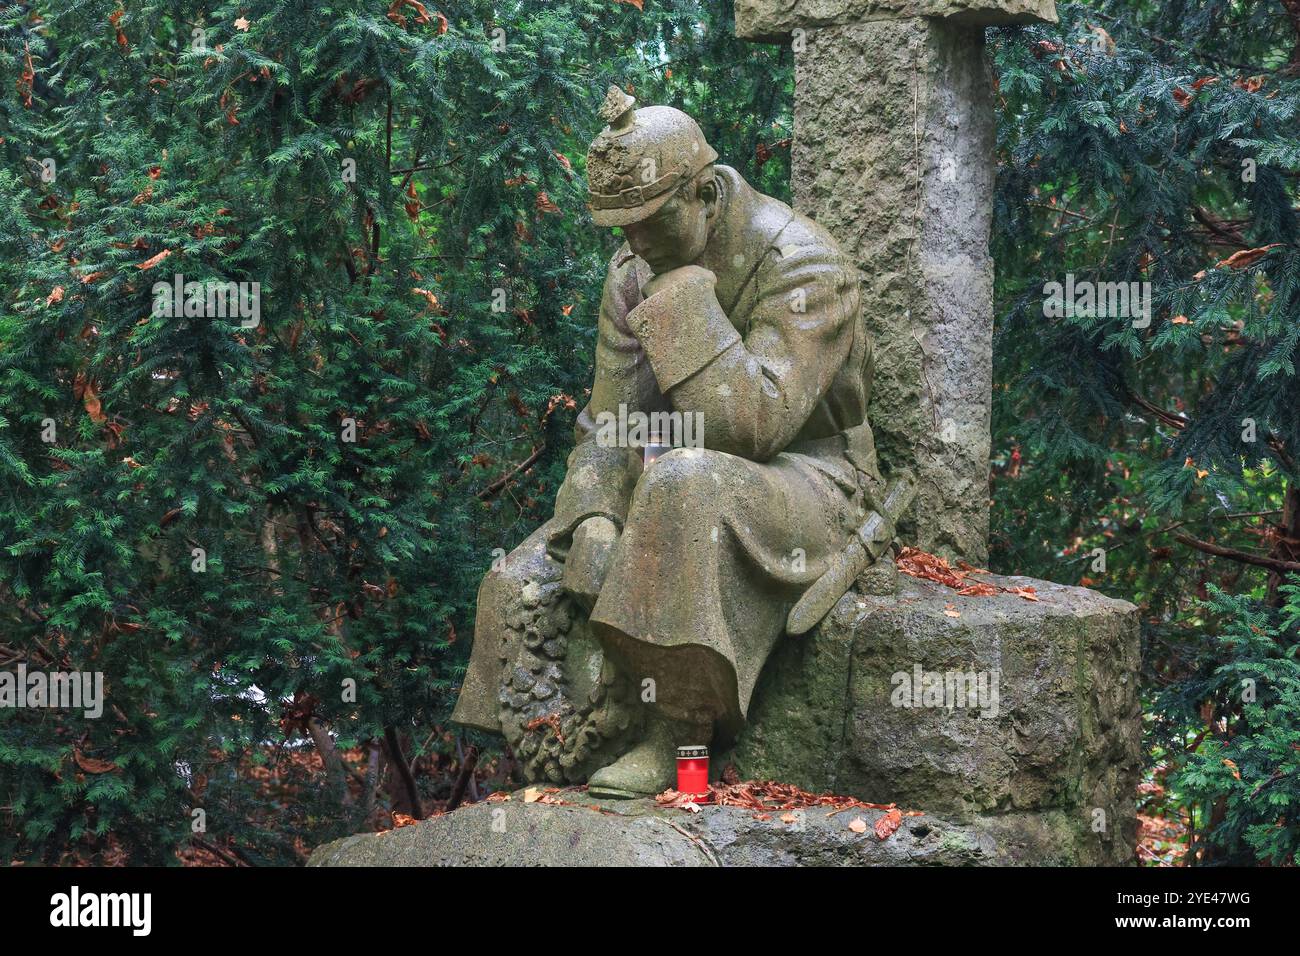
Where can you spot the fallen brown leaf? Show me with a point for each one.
(929, 567)
(92, 764)
(85, 388)
(887, 824)
(153, 260)
(1244, 257)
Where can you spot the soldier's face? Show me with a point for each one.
(678, 231)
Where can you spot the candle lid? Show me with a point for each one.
(692, 750)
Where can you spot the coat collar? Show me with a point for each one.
(747, 228)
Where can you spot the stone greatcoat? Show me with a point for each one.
(718, 542)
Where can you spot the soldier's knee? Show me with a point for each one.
(684, 471)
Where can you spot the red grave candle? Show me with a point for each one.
(693, 770)
(653, 448)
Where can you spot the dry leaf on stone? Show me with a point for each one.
(767, 796)
(929, 567)
(682, 801)
(887, 824)
(858, 825)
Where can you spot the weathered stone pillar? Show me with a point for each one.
(893, 153)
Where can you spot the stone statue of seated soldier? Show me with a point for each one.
(639, 617)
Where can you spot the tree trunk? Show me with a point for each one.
(1292, 8)
(335, 770)
(1287, 547)
(403, 794)
(469, 760)
(372, 777)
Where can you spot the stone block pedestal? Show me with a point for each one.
(970, 708)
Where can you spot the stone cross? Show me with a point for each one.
(893, 154)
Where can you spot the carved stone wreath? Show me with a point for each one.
(565, 710)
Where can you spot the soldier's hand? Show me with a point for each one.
(660, 282)
(588, 559)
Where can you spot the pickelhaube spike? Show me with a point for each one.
(617, 109)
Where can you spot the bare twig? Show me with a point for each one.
(1233, 554)
(492, 490)
(1169, 418)
(216, 851)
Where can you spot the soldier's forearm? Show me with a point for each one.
(681, 327)
(753, 405)
(599, 482)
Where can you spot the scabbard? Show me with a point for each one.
(869, 542)
(827, 589)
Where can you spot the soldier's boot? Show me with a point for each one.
(651, 766)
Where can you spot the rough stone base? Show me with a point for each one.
(1062, 737)
(1047, 776)
(638, 833)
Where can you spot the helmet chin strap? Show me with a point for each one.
(713, 216)
(719, 201)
